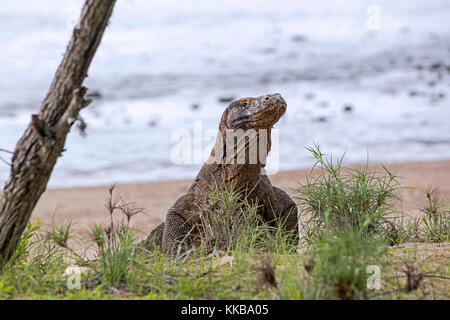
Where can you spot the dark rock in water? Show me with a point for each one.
(309, 96)
(348, 108)
(298, 38)
(323, 104)
(195, 106)
(226, 99)
(419, 67)
(433, 99)
(437, 96)
(265, 79)
(269, 50)
(333, 76)
(378, 69)
(6, 110)
(152, 123)
(321, 119)
(390, 91)
(413, 93)
(432, 83)
(436, 66)
(94, 95)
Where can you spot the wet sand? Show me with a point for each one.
(85, 206)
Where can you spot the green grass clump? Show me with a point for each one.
(335, 198)
(60, 234)
(436, 218)
(26, 243)
(230, 222)
(115, 245)
(432, 225)
(339, 266)
(116, 252)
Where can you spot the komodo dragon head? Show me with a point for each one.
(254, 113)
(249, 119)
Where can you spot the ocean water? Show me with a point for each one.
(166, 65)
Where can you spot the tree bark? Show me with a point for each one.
(43, 141)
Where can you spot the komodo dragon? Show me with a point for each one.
(247, 113)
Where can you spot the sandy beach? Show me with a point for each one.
(85, 206)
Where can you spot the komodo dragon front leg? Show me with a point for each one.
(175, 228)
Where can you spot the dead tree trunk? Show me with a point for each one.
(43, 142)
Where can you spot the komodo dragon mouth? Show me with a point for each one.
(255, 113)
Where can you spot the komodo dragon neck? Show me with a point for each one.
(247, 170)
(229, 170)
(242, 144)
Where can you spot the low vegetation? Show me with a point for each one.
(336, 199)
(354, 245)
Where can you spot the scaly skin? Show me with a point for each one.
(247, 113)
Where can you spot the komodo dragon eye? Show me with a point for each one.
(244, 102)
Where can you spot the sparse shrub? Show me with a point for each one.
(437, 218)
(412, 231)
(26, 243)
(115, 257)
(335, 198)
(116, 247)
(338, 268)
(230, 222)
(60, 234)
(227, 221)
